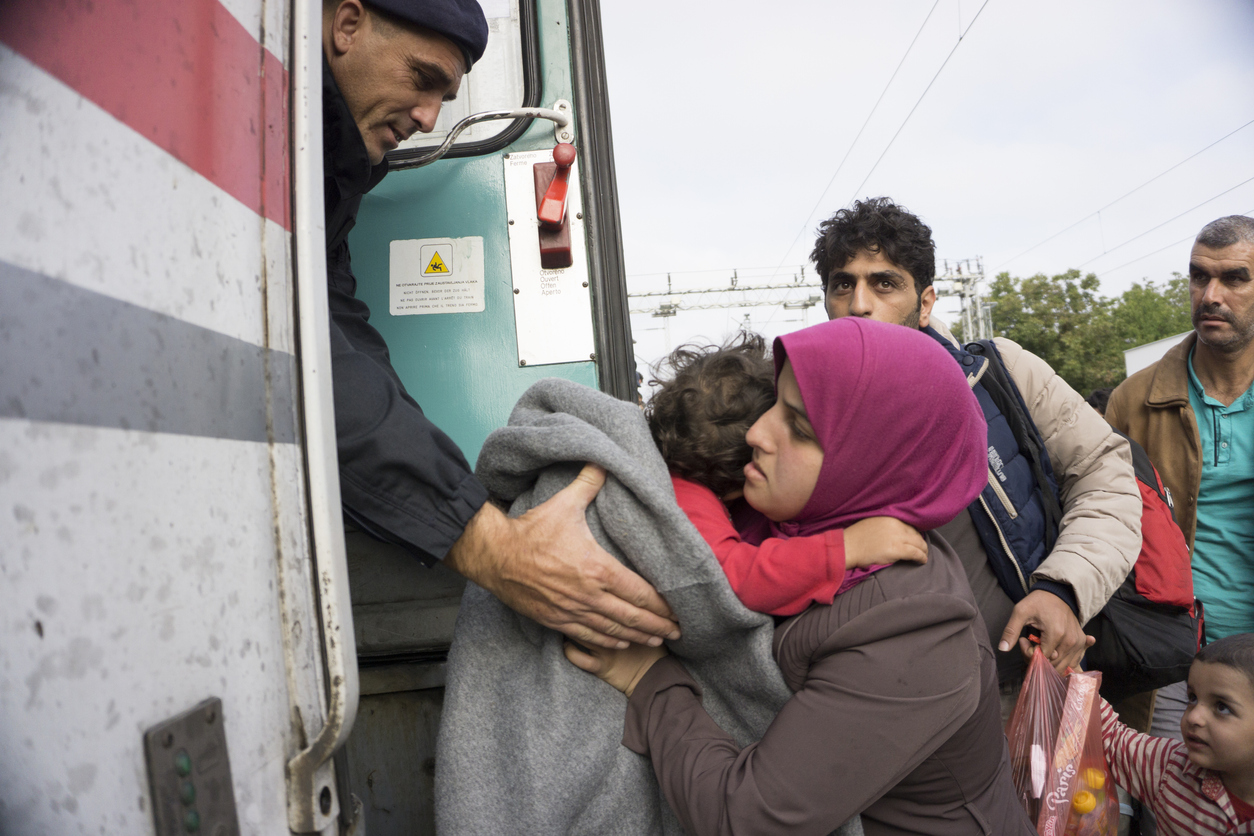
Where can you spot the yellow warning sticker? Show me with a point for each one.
(435, 265)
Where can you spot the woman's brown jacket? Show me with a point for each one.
(895, 715)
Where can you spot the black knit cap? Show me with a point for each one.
(461, 21)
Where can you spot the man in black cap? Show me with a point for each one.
(388, 66)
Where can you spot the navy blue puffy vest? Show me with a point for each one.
(1009, 514)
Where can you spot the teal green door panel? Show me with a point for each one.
(461, 367)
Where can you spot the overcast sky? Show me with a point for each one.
(731, 118)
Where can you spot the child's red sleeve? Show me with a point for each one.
(779, 577)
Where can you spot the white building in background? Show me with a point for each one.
(1135, 359)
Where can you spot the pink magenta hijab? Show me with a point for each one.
(902, 434)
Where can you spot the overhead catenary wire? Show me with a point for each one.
(805, 224)
(922, 96)
(768, 271)
(1164, 223)
(1098, 212)
(904, 122)
(1247, 213)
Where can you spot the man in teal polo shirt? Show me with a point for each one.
(1223, 562)
(1193, 412)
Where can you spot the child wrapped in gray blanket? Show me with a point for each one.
(527, 742)
(895, 707)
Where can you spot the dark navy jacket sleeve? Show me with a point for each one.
(401, 478)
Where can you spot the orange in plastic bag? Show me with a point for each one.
(1079, 797)
(1032, 731)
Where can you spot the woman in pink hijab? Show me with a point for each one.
(895, 712)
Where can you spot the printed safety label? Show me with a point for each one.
(436, 275)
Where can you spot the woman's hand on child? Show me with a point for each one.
(620, 668)
(877, 540)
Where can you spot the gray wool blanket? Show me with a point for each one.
(529, 743)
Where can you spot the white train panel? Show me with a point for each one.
(145, 567)
(90, 201)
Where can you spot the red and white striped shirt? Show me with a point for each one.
(1187, 800)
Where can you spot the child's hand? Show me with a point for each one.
(878, 540)
(620, 668)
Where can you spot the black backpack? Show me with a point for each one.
(1150, 629)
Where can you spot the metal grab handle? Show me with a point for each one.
(311, 801)
(561, 118)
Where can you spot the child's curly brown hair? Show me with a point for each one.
(709, 397)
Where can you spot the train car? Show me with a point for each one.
(192, 642)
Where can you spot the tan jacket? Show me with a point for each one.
(1152, 407)
(1100, 535)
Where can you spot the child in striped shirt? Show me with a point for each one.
(1204, 785)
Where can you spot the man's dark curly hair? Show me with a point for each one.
(876, 225)
(709, 398)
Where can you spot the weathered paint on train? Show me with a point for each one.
(169, 502)
(155, 476)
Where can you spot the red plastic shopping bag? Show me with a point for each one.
(1079, 797)
(1033, 729)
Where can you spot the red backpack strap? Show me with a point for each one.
(1163, 571)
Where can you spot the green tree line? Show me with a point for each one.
(1065, 321)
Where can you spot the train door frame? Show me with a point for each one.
(393, 671)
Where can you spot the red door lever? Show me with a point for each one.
(552, 189)
(552, 209)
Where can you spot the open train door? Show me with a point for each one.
(470, 293)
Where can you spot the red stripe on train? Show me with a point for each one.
(186, 75)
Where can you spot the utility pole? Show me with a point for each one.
(962, 280)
